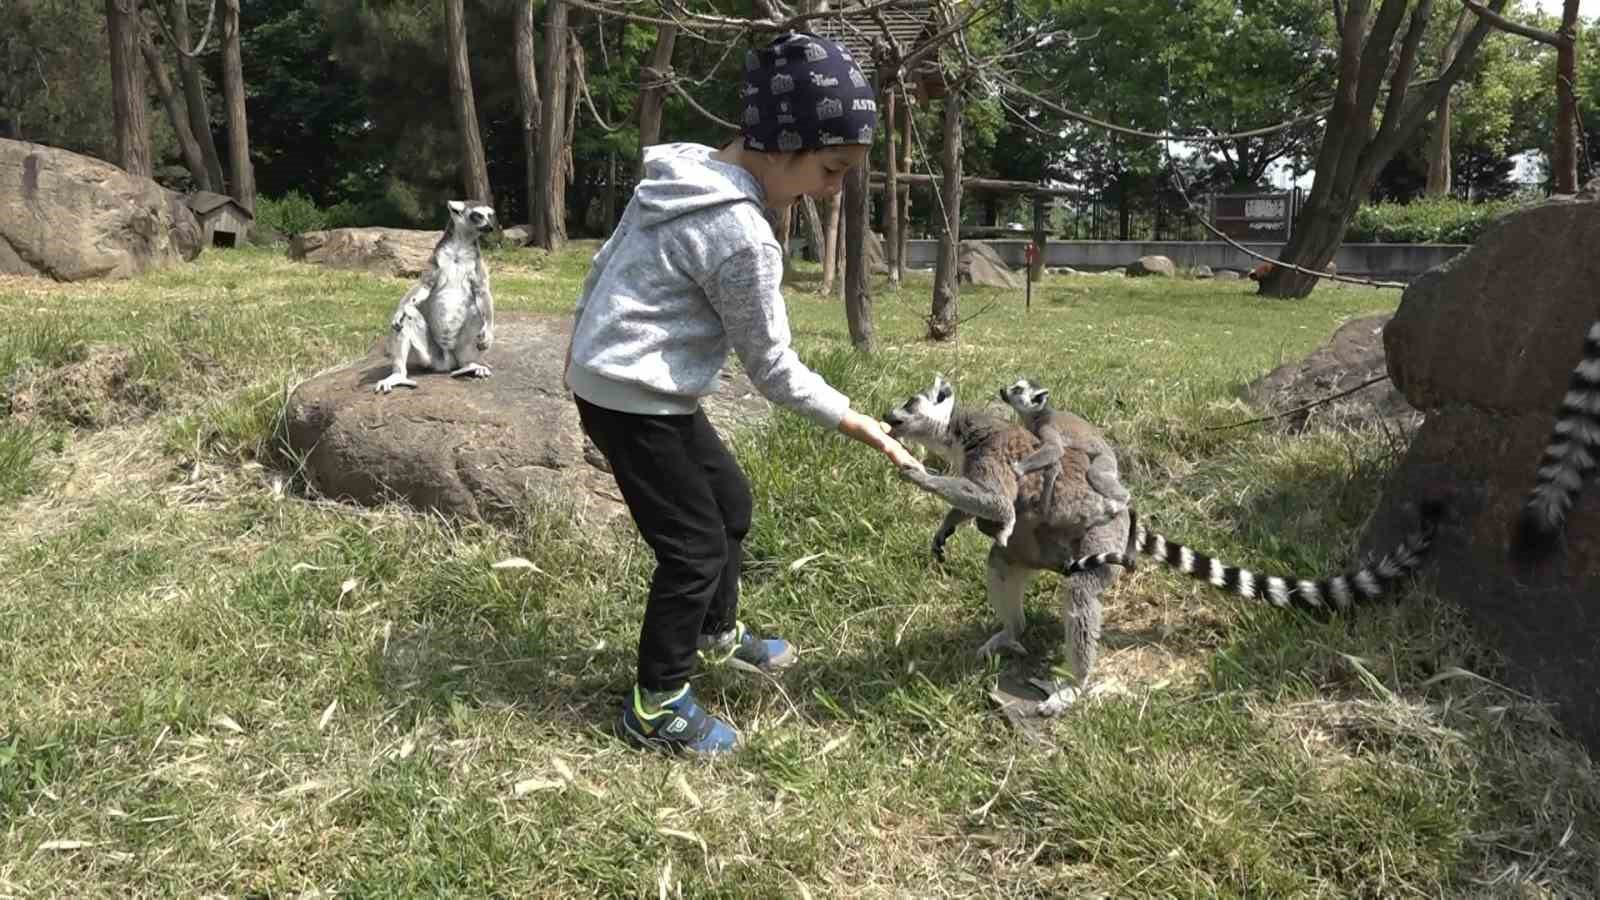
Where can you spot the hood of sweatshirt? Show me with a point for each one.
(683, 178)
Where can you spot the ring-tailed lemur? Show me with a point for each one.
(981, 448)
(1057, 430)
(1569, 458)
(446, 321)
(1076, 538)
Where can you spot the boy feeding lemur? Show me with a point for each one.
(692, 269)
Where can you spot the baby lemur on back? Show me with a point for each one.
(446, 321)
(1058, 430)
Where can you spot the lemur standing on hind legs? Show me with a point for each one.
(446, 321)
(1058, 537)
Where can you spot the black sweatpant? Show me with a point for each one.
(691, 503)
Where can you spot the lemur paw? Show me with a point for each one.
(939, 539)
(473, 370)
(1001, 642)
(392, 382)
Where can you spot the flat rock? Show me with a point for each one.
(483, 449)
(1353, 356)
(403, 252)
(70, 217)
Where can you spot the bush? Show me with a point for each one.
(292, 214)
(1435, 221)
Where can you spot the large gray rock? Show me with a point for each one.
(69, 217)
(484, 449)
(1484, 344)
(980, 264)
(403, 252)
(1352, 356)
(1152, 265)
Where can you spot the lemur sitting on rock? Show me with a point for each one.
(446, 321)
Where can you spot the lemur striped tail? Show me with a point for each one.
(1322, 596)
(1568, 458)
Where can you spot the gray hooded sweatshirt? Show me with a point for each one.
(692, 269)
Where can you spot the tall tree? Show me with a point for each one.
(529, 104)
(549, 213)
(1372, 46)
(1439, 154)
(1564, 149)
(242, 186)
(127, 88)
(474, 170)
(192, 156)
(946, 289)
(194, 91)
(652, 94)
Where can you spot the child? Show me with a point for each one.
(692, 269)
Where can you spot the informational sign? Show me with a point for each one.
(1253, 217)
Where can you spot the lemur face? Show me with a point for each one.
(925, 416)
(472, 217)
(1025, 397)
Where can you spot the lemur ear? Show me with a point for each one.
(458, 207)
(1041, 395)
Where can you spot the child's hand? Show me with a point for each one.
(869, 431)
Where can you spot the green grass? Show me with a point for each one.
(211, 686)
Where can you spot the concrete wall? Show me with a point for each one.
(1385, 261)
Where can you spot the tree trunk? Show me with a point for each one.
(858, 285)
(904, 202)
(891, 191)
(244, 176)
(784, 228)
(946, 289)
(127, 88)
(653, 99)
(474, 169)
(194, 97)
(1439, 175)
(830, 242)
(1352, 153)
(575, 64)
(1439, 153)
(175, 114)
(1564, 150)
(549, 213)
(818, 236)
(528, 104)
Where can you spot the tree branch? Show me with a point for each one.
(1554, 39)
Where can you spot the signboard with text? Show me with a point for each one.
(1253, 217)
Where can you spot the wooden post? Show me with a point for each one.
(904, 202)
(1036, 271)
(891, 192)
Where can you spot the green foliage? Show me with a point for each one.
(1442, 220)
(291, 214)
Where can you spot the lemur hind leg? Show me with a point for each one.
(467, 355)
(408, 346)
(1006, 582)
(1081, 614)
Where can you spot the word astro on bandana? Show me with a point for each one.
(805, 92)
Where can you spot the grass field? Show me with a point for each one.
(212, 684)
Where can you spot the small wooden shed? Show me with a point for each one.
(224, 222)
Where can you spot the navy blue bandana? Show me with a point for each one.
(804, 92)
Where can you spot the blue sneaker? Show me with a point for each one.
(680, 726)
(741, 649)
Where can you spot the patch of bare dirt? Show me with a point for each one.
(92, 393)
